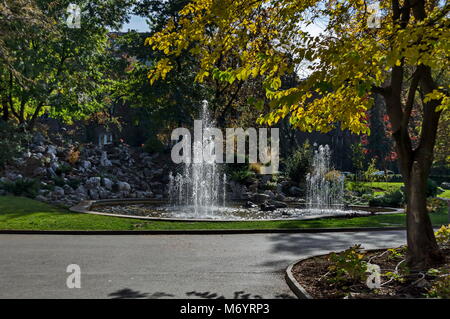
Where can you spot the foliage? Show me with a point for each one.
(269, 186)
(153, 145)
(359, 188)
(73, 156)
(432, 188)
(435, 204)
(21, 187)
(397, 253)
(353, 59)
(442, 147)
(242, 176)
(440, 288)
(63, 169)
(443, 235)
(358, 159)
(56, 70)
(371, 169)
(333, 175)
(347, 266)
(298, 164)
(59, 181)
(11, 142)
(389, 199)
(73, 182)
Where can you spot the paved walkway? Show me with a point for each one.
(165, 266)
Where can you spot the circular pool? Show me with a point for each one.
(237, 211)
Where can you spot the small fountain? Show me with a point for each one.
(200, 187)
(325, 186)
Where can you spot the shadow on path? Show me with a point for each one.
(128, 293)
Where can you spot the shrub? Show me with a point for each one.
(11, 142)
(242, 176)
(435, 204)
(369, 174)
(440, 288)
(394, 178)
(59, 181)
(269, 186)
(63, 169)
(432, 188)
(74, 183)
(443, 235)
(153, 145)
(298, 164)
(347, 266)
(73, 156)
(389, 199)
(21, 187)
(359, 188)
(333, 176)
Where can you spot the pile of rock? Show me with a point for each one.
(73, 172)
(268, 195)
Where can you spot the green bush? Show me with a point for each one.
(153, 145)
(63, 169)
(242, 177)
(298, 164)
(432, 188)
(59, 181)
(74, 183)
(269, 186)
(440, 288)
(389, 199)
(21, 187)
(347, 266)
(359, 188)
(11, 142)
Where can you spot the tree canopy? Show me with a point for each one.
(48, 67)
(348, 61)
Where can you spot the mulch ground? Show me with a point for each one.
(313, 274)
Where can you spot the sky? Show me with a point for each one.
(136, 23)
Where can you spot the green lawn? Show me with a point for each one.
(445, 194)
(27, 214)
(382, 187)
(377, 187)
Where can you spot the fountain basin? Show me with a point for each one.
(161, 210)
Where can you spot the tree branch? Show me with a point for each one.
(410, 99)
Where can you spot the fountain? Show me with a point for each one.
(200, 187)
(197, 191)
(325, 187)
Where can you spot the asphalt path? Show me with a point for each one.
(166, 266)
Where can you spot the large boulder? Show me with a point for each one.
(58, 191)
(104, 161)
(85, 164)
(93, 182)
(295, 191)
(445, 185)
(123, 187)
(270, 194)
(107, 183)
(40, 171)
(260, 198)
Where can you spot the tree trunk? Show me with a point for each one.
(5, 108)
(423, 251)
